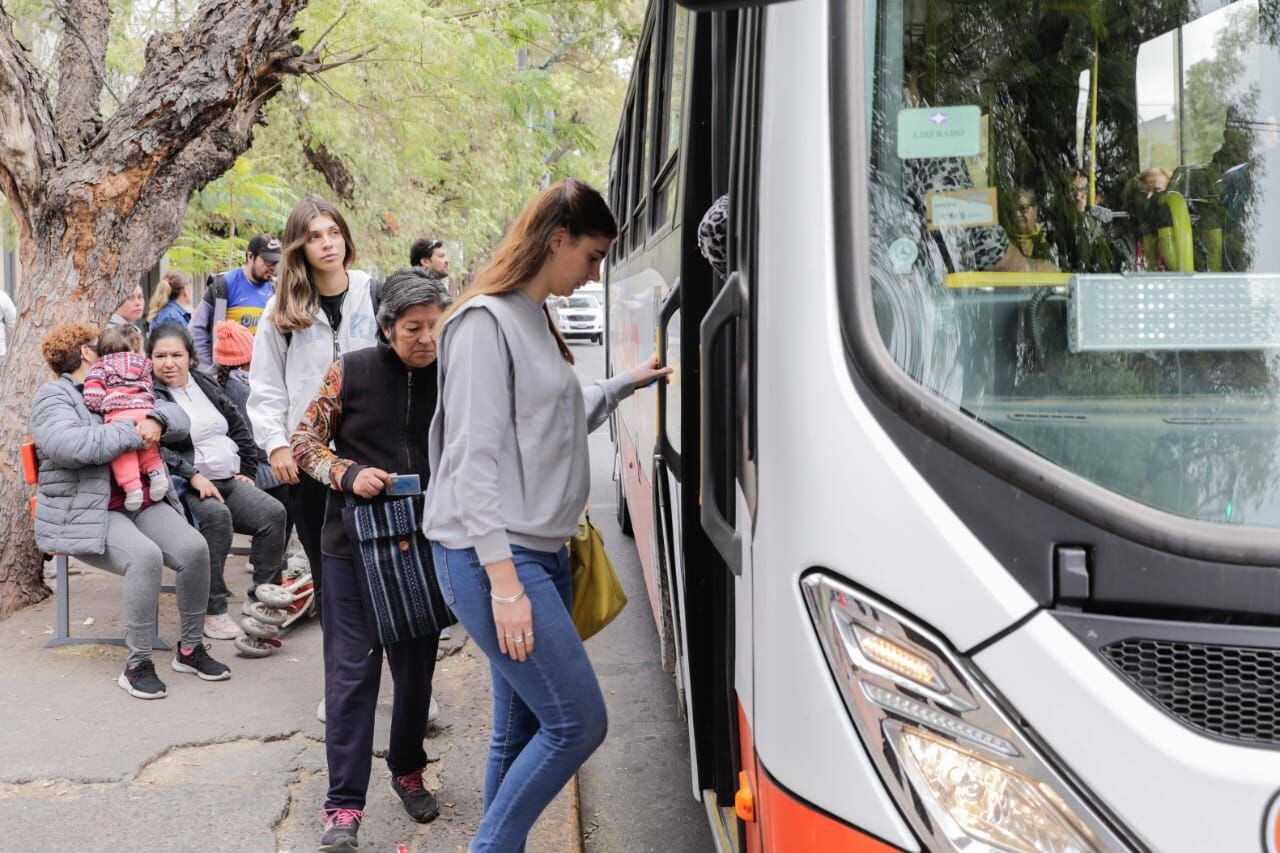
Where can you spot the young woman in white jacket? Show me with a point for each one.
(321, 309)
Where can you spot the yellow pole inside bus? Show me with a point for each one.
(1093, 126)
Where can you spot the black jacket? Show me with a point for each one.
(386, 413)
(181, 457)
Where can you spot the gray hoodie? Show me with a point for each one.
(508, 443)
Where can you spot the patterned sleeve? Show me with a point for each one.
(310, 440)
(95, 388)
(145, 369)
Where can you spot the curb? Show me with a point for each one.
(575, 814)
(559, 829)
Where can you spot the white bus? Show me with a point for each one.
(959, 515)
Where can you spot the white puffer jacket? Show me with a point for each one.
(286, 372)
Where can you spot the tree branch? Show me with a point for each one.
(28, 144)
(564, 147)
(206, 83)
(82, 56)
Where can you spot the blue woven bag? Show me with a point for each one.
(398, 583)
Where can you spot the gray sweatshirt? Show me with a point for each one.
(508, 443)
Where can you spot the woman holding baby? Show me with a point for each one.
(81, 509)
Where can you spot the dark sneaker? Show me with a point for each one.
(420, 803)
(340, 828)
(141, 681)
(201, 663)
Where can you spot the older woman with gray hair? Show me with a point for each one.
(380, 591)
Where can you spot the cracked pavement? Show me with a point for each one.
(234, 765)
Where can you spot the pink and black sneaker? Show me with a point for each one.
(341, 827)
(199, 662)
(420, 803)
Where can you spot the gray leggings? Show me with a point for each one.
(243, 509)
(139, 545)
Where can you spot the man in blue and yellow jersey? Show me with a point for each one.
(238, 295)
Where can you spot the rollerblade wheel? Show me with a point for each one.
(266, 615)
(259, 630)
(272, 595)
(251, 647)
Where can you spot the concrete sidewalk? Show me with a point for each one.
(234, 765)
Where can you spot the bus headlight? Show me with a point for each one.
(973, 798)
(963, 772)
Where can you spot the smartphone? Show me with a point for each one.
(404, 484)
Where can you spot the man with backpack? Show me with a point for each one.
(238, 295)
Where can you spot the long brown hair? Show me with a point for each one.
(171, 286)
(570, 204)
(296, 296)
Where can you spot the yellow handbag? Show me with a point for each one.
(597, 594)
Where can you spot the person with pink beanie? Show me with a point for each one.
(232, 345)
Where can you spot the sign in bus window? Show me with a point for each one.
(939, 132)
(961, 208)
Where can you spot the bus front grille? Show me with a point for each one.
(1229, 692)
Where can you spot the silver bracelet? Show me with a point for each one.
(512, 600)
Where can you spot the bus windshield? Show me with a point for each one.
(1075, 234)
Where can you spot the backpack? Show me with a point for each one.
(217, 284)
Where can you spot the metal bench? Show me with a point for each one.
(63, 637)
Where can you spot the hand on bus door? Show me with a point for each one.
(649, 372)
(512, 610)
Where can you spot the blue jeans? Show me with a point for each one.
(548, 712)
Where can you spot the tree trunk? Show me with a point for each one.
(98, 202)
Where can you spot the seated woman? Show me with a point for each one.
(218, 462)
(1028, 232)
(79, 513)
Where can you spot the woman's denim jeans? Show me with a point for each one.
(548, 712)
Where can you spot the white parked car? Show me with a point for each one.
(581, 316)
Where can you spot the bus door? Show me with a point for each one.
(727, 458)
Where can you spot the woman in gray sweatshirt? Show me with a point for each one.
(509, 463)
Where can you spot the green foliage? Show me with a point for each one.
(452, 116)
(226, 213)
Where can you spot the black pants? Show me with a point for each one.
(306, 507)
(281, 493)
(352, 673)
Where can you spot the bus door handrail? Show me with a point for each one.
(670, 456)
(726, 308)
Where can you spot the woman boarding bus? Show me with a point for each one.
(508, 453)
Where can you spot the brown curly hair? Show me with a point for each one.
(61, 347)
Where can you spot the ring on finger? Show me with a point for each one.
(519, 640)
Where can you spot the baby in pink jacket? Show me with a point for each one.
(119, 385)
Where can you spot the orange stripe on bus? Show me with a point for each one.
(784, 823)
